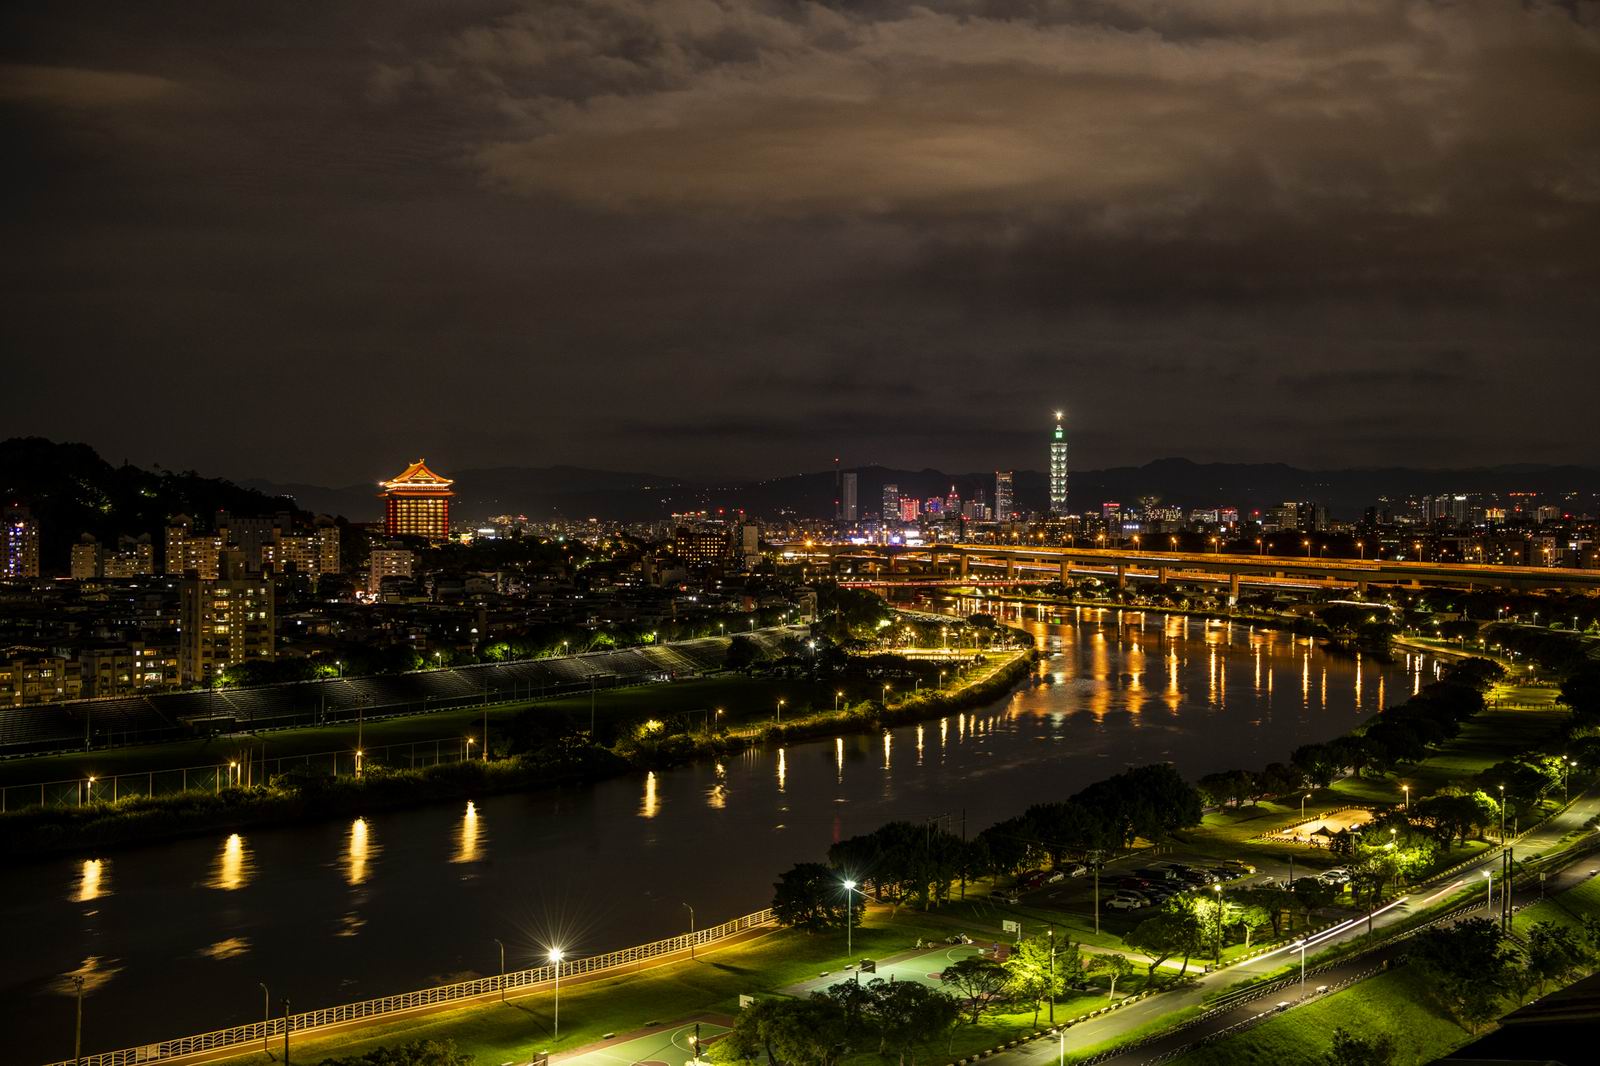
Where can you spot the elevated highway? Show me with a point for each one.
(1009, 563)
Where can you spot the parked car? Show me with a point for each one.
(1077, 869)
(1336, 876)
(1055, 877)
(1123, 903)
(1240, 865)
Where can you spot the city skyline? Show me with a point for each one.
(1257, 234)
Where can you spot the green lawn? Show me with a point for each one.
(1395, 1004)
(497, 1033)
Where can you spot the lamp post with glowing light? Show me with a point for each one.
(498, 941)
(849, 917)
(1489, 900)
(1502, 816)
(780, 712)
(1406, 789)
(555, 960)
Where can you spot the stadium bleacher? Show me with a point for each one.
(142, 719)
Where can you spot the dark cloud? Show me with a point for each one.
(700, 235)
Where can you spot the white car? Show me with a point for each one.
(1121, 903)
(1334, 877)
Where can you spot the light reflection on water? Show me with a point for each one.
(361, 851)
(94, 880)
(234, 866)
(469, 838)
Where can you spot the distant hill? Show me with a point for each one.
(575, 492)
(72, 491)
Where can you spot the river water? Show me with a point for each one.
(176, 938)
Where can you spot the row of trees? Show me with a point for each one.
(919, 863)
(895, 1019)
(1399, 735)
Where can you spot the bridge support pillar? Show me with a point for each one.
(1361, 589)
(1161, 575)
(1233, 587)
(963, 564)
(891, 564)
(1066, 571)
(1122, 575)
(1011, 569)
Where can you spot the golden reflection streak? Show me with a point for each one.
(838, 758)
(358, 853)
(888, 741)
(651, 805)
(233, 868)
(919, 745)
(469, 836)
(944, 731)
(717, 794)
(783, 770)
(93, 881)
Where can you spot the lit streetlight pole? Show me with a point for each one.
(1502, 816)
(77, 1031)
(691, 930)
(780, 712)
(502, 946)
(1488, 903)
(1052, 933)
(1407, 790)
(266, 1016)
(849, 917)
(555, 959)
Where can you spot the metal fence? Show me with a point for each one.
(308, 1022)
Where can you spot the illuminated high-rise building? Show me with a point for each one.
(416, 503)
(1003, 497)
(847, 499)
(891, 503)
(225, 621)
(19, 544)
(910, 508)
(1058, 468)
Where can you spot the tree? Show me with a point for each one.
(742, 654)
(1114, 966)
(1318, 762)
(1310, 894)
(808, 1032)
(413, 1053)
(811, 896)
(1034, 970)
(1251, 916)
(1469, 966)
(978, 981)
(1172, 932)
(1553, 951)
(1351, 1050)
(909, 1014)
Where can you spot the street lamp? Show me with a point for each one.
(1218, 897)
(1052, 933)
(1407, 790)
(1303, 805)
(780, 712)
(837, 696)
(555, 960)
(466, 748)
(1502, 816)
(691, 930)
(849, 917)
(359, 753)
(502, 968)
(1489, 900)
(266, 1015)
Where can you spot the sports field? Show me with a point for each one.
(669, 1046)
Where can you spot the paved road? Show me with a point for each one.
(1108, 1027)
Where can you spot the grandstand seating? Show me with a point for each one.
(129, 720)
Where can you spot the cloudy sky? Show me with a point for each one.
(311, 241)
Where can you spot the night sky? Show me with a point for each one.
(311, 242)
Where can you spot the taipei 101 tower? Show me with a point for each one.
(1058, 469)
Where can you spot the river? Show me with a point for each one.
(176, 938)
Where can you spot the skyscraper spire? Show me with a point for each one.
(1058, 468)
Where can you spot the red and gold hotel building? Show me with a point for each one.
(416, 503)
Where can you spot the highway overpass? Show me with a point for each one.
(970, 563)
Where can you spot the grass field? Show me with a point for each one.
(680, 991)
(1394, 1004)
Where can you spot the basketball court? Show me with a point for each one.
(670, 1046)
(923, 967)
